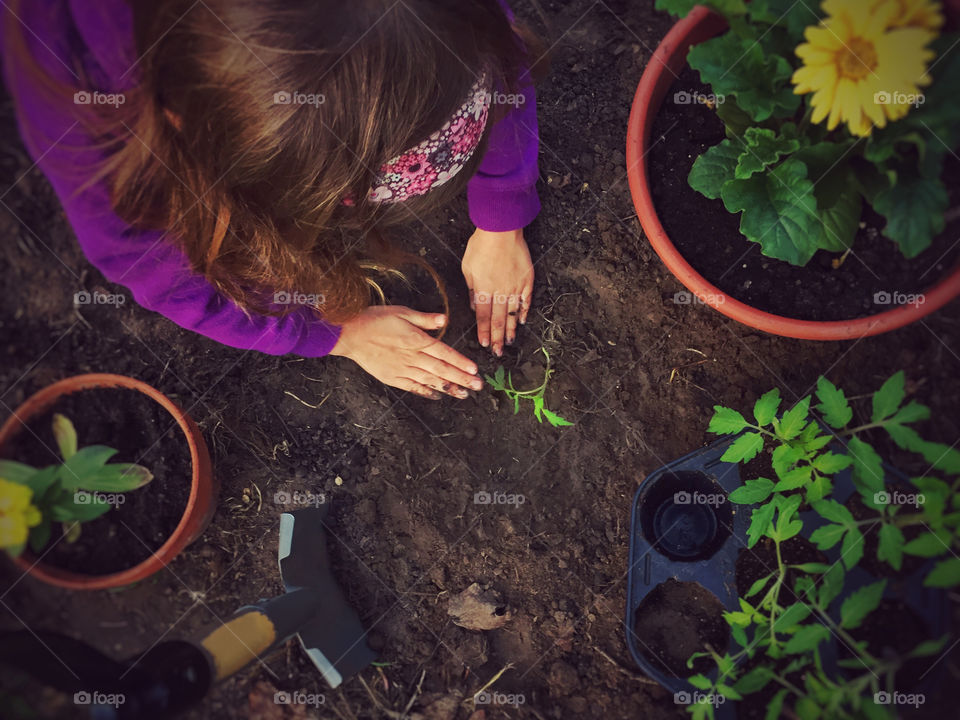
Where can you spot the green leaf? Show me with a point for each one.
(928, 545)
(891, 545)
(793, 16)
(116, 477)
(867, 465)
(77, 508)
(831, 463)
(806, 639)
(760, 520)
(758, 585)
(852, 548)
(16, 472)
(39, 481)
(793, 615)
(887, 399)
(680, 8)
(914, 210)
(739, 67)
(66, 436)
(833, 404)
(831, 585)
(826, 536)
(726, 421)
(714, 168)
(754, 680)
(734, 119)
(40, 535)
(538, 408)
(784, 458)
(765, 409)
(834, 188)
(833, 511)
(555, 419)
(752, 491)
(744, 448)
(764, 147)
(84, 464)
(911, 412)
(796, 478)
(860, 603)
(728, 692)
(794, 419)
(775, 707)
(945, 573)
(929, 647)
(819, 488)
(700, 681)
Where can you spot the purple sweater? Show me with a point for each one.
(501, 195)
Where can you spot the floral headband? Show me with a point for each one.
(441, 156)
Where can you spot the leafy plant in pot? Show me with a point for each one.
(828, 111)
(41, 488)
(797, 614)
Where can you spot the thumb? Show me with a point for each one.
(427, 321)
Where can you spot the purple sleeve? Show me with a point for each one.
(154, 269)
(502, 195)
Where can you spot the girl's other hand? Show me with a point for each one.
(499, 275)
(389, 342)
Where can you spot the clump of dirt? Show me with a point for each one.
(760, 560)
(142, 432)
(677, 619)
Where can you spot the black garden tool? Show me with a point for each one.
(173, 675)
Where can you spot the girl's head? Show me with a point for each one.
(256, 128)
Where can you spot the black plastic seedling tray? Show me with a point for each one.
(694, 538)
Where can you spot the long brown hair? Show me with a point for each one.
(253, 190)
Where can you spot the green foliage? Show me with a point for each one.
(800, 188)
(72, 492)
(502, 381)
(776, 621)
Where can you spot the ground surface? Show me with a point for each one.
(635, 370)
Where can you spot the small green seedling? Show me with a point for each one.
(81, 488)
(503, 381)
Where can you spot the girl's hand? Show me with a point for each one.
(499, 275)
(388, 342)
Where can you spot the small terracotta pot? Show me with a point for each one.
(667, 62)
(201, 504)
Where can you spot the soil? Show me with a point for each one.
(677, 619)
(871, 538)
(894, 629)
(142, 432)
(709, 237)
(638, 373)
(760, 560)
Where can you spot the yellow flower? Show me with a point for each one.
(925, 14)
(17, 514)
(861, 68)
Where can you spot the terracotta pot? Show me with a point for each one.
(667, 62)
(203, 487)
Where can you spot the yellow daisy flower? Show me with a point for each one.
(17, 514)
(926, 14)
(861, 69)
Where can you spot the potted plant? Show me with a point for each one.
(831, 127)
(813, 628)
(72, 518)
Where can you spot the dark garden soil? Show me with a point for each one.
(638, 374)
(760, 560)
(709, 237)
(142, 432)
(892, 630)
(677, 619)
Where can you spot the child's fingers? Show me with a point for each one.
(526, 297)
(416, 388)
(446, 377)
(427, 321)
(484, 307)
(498, 322)
(442, 351)
(513, 315)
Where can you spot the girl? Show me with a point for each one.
(235, 163)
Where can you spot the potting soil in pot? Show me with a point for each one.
(709, 239)
(142, 432)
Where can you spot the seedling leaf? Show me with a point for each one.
(887, 399)
(765, 409)
(794, 419)
(826, 536)
(833, 404)
(744, 448)
(867, 465)
(945, 573)
(806, 639)
(890, 546)
(760, 521)
(928, 545)
(85, 463)
(726, 421)
(852, 548)
(752, 491)
(861, 603)
(66, 436)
